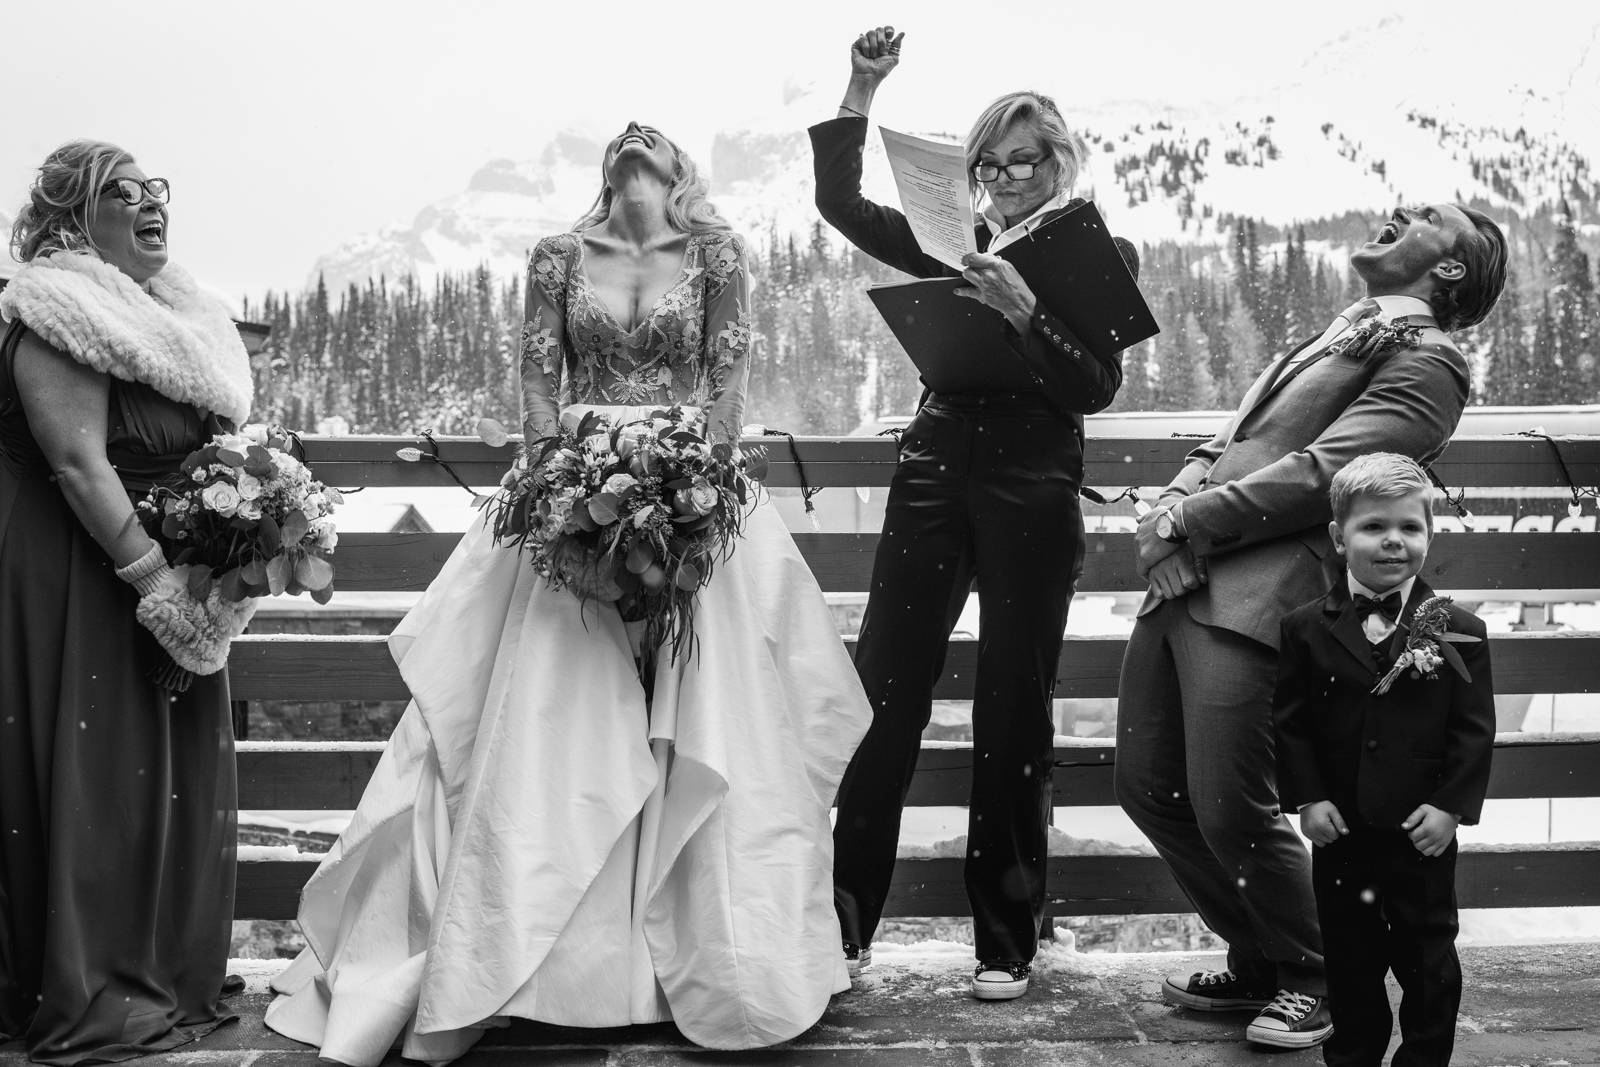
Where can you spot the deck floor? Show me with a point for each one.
(1524, 1005)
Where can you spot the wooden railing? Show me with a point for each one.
(331, 775)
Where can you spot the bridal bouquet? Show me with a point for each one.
(638, 513)
(243, 518)
(247, 517)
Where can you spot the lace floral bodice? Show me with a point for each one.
(692, 348)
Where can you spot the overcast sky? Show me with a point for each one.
(290, 125)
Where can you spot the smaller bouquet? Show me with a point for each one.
(638, 514)
(1428, 641)
(244, 518)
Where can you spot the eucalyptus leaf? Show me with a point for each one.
(603, 508)
(492, 433)
(199, 581)
(640, 556)
(233, 586)
(313, 572)
(279, 571)
(295, 527)
(271, 536)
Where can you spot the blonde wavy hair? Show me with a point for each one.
(1063, 144)
(56, 216)
(689, 208)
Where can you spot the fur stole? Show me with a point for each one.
(175, 338)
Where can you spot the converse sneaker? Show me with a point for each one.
(856, 958)
(1214, 991)
(1292, 1020)
(1000, 981)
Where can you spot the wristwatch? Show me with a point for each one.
(1167, 526)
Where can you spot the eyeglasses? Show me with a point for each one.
(1017, 172)
(133, 191)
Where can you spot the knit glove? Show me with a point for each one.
(194, 634)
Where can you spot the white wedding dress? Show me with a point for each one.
(537, 842)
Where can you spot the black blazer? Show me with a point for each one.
(1378, 757)
(1075, 380)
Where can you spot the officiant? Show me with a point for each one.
(986, 489)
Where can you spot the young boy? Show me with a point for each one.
(1382, 774)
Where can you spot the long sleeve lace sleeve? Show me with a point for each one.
(727, 336)
(544, 336)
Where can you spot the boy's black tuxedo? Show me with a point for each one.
(1382, 905)
(1427, 740)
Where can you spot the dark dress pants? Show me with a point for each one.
(1386, 907)
(986, 489)
(1196, 772)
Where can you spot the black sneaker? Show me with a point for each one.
(856, 958)
(1000, 981)
(1292, 1020)
(1214, 991)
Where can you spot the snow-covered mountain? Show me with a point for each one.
(1381, 114)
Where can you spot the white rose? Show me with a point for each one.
(221, 498)
(620, 483)
(249, 509)
(698, 499)
(255, 433)
(327, 538)
(249, 486)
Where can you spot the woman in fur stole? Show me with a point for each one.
(117, 792)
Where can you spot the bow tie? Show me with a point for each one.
(1387, 606)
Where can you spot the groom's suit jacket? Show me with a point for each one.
(1255, 498)
(1426, 740)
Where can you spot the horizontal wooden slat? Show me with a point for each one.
(312, 776)
(293, 667)
(1499, 877)
(330, 775)
(869, 461)
(842, 562)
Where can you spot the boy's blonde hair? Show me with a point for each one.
(1384, 474)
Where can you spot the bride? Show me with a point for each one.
(540, 840)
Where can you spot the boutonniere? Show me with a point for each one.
(1376, 337)
(1428, 641)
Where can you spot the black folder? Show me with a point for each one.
(1074, 268)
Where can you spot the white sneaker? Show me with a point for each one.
(1000, 981)
(856, 959)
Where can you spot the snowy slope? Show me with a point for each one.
(1395, 111)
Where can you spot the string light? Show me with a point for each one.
(1575, 506)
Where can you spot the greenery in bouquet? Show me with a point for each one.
(246, 515)
(638, 513)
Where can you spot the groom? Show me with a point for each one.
(1237, 540)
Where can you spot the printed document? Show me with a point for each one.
(932, 179)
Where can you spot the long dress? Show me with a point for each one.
(117, 798)
(538, 840)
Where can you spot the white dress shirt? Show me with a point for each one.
(1003, 235)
